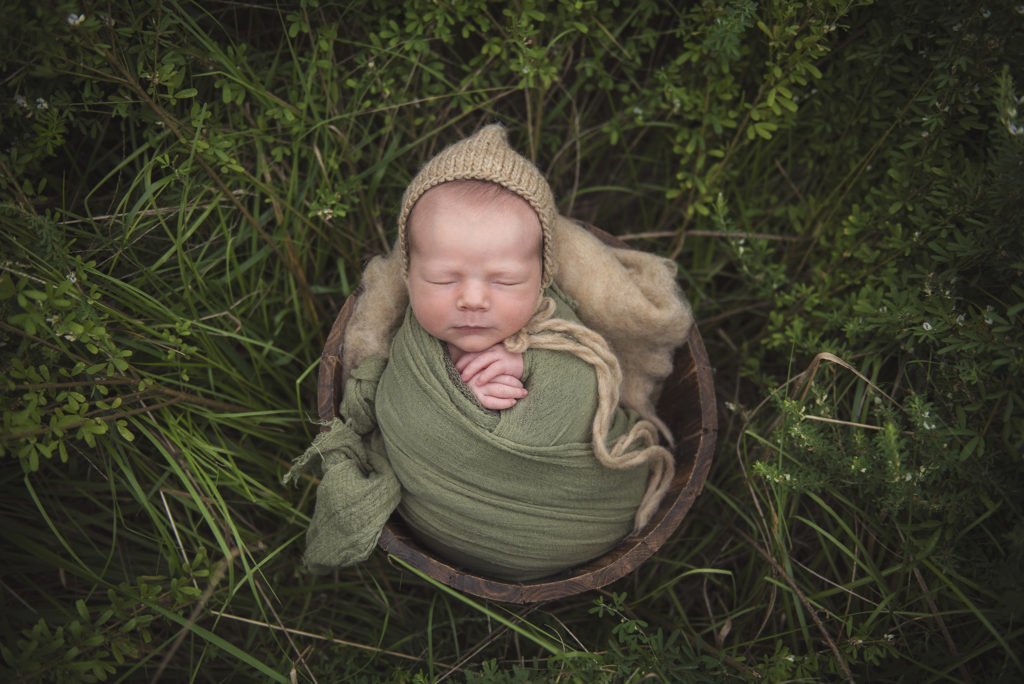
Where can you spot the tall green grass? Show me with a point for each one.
(188, 192)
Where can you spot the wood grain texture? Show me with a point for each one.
(687, 405)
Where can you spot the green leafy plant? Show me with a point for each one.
(188, 191)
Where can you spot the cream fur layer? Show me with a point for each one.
(630, 298)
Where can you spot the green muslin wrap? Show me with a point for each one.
(358, 490)
(515, 495)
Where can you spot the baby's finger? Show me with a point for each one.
(503, 391)
(510, 380)
(473, 367)
(497, 368)
(496, 404)
(465, 360)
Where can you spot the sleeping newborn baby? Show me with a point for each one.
(493, 425)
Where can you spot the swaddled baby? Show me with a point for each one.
(494, 423)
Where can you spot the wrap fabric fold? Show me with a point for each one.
(517, 494)
(358, 490)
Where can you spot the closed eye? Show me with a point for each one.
(439, 278)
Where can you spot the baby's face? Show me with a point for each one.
(474, 267)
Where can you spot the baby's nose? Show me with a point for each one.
(472, 295)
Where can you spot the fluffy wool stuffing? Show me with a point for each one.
(631, 298)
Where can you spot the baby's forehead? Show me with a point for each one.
(470, 193)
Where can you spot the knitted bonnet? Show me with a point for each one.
(484, 156)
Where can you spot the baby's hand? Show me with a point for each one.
(500, 393)
(493, 375)
(488, 364)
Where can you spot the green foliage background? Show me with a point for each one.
(188, 191)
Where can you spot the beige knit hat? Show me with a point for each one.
(484, 156)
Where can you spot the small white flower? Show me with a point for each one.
(909, 477)
(72, 277)
(75, 19)
(927, 326)
(638, 111)
(41, 103)
(986, 12)
(791, 658)
(960, 319)
(928, 425)
(863, 470)
(890, 637)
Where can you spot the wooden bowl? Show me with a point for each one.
(687, 405)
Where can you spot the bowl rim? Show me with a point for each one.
(691, 371)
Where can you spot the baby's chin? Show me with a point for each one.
(462, 346)
(472, 343)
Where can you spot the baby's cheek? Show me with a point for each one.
(521, 310)
(429, 312)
